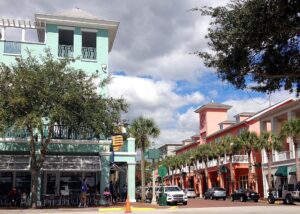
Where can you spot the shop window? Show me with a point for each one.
(6, 182)
(23, 182)
(243, 182)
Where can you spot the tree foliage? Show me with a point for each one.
(37, 94)
(255, 44)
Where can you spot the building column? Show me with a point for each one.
(131, 181)
(23, 34)
(291, 115)
(274, 124)
(105, 160)
(200, 186)
(3, 33)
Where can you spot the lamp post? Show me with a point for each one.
(153, 201)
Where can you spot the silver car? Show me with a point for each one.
(190, 193)
(215, 193)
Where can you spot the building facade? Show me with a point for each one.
(168, 149)
(213, 125)
(74, 34)
(283, 162)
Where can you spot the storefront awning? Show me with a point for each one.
(281, 171)
(72, 163)
(293, 170)
(52, 163)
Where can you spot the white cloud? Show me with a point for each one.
(255, 104)
(158, 100)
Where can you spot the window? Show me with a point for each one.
(23, 181)
(243, 182)
(6, 182)
(65, 43)
(89, 45)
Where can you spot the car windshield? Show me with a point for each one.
(219, 189)
(172, 189)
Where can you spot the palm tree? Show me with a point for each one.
(206, 154)
(142, 129)
(230, 147)
(198, 157)
(292, 129)
(217, 152)
(269, 142)
(248, 141)
(179, 161)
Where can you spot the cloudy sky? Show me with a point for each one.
(151, 61)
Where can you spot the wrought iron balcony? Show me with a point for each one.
(60, 133)
(65, 51)
(12, 47)
(89, 53)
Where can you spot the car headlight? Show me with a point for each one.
(169, 196)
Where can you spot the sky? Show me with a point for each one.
(152, 61)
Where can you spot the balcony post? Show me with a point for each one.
(274, 124)
(23, 34)
(3, 33)
(291, 115)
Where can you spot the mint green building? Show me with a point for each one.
(73, 33)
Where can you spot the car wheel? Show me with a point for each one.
(185, 203)
(256, 200)
(289, 199)
(224, 198)
(241, 199)
(271, 199)
(232, 198)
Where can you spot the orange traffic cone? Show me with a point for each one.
(127, 206)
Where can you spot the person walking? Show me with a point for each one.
(124, 193)
(84, 189)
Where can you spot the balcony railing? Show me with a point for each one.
(65, 51)
(240, 159)
(60, 132)
(12, 47)
(89, 53)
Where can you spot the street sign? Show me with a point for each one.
(152, 154)
(162, 171)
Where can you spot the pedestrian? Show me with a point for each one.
(113, 192)
(84, 189)
(124, 192)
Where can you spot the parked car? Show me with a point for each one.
(190, 193)
(138, 194)
(174, 195)
(288, 194)
(215, 193)
(245, 195)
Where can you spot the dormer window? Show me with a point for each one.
(65, 43)
(88, 51)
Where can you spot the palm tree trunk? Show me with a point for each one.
(219, 172)
(232, 180)
(206, 175)
(143, 171)
(269, 156)
(297, 160)
(249, 169)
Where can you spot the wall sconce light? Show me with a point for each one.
(104, 68)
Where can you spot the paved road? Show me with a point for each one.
(199, 203)
(278, 209)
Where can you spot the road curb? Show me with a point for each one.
(112, 209)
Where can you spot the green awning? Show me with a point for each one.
(293, 170)
(281, 171)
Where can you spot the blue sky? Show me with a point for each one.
(151, 61)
